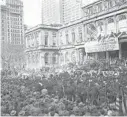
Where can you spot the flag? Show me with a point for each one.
(92, 31)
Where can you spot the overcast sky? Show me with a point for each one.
(32, 11)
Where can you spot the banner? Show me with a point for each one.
(108, 44)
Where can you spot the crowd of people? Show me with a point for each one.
(80, 92)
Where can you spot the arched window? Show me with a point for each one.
(100, 28)
(110, 26)
(46, 38)
(122, 24)
(33, 58)
(67, 38)
(61, 58)
(54, 58)
(73, 58)
(73, 36)
(80, 34)
(54, 38)
(91, 31)
(46, 58)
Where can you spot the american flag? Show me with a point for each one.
(91, 30)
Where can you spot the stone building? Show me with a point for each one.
(105, 24)
(12, 33)
(42, 47)
(100, 34)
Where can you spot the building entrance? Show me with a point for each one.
(124, 50)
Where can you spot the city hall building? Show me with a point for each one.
(101, 33)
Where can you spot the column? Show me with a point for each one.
(116, 23)
(105, 26)
(84, 33)
(50, 59)
(120, 51)
(64, 54)
(107, 55)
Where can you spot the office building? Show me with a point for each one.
(51, 12)
(70, 10)
(12, 33)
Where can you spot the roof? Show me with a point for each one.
(42, 26)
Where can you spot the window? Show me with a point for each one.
(67, 41)
(80, 34)
(46, 58)
(54, 58)
(110, 4)
(54, 38)
(110, 26)
(46, 38)
(100, 28)
(73, 37)
(61, 58)
(122, 24)
(73, 58)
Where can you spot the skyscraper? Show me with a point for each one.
(50, 12)
(70, 10)
(12, 40)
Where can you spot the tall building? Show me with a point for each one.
(50, 12)
(70, 10)
(61, 11)
(2, 3)
(12, 33)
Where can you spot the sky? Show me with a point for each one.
(32, 11)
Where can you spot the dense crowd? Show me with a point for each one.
(76, 93)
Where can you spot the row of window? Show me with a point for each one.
(15, 41)
(54, 58)
(33, 58)
(100, 28)
(80, 39)
(46, 38)
(65, 57)
(104, 5)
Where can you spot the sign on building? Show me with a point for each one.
(108, 44)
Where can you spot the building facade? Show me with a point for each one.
(61, 11)
(100, 34)
(51, 12)
(12, 33)
(105, 24)
(42, 47)
(70, 10)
